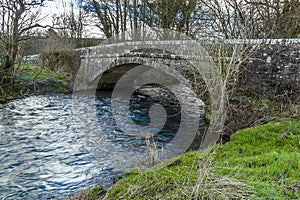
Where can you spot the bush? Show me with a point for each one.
(62, 61)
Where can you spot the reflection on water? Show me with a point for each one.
(46, 152)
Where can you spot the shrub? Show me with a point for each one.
(63, 61)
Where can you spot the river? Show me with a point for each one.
(46, 153)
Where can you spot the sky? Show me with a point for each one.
(56, 7)
(52, 7)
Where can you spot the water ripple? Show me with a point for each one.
(44, 154)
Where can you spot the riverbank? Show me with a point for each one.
(247, 167)
(258, 163)
(34, 80)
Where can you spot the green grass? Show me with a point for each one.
(45, 80)
(187, 177)
(33, 80)
(267, 157)
(259, 163)
(94, 193)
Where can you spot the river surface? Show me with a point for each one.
(46, 152)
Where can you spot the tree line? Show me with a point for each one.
(224, 18)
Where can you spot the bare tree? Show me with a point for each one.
(254, 18)
(116, 16)
(17, 21)
(109, 19)
(170, 14)
(70, 24)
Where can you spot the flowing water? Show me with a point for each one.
(46, 152)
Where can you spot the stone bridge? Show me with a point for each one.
(173, 64)
(103, 65)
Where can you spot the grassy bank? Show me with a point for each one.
(258, 163)
(34, 80)
(41, 80)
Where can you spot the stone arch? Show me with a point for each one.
(97, 60)
(117, 66)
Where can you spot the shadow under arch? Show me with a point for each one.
(100, 60)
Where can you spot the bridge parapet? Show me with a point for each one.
(96, 60)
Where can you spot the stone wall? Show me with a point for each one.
(273, 72)
(274, 63)
(37, 45)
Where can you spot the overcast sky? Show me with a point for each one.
(56, 7)
(53, 7)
